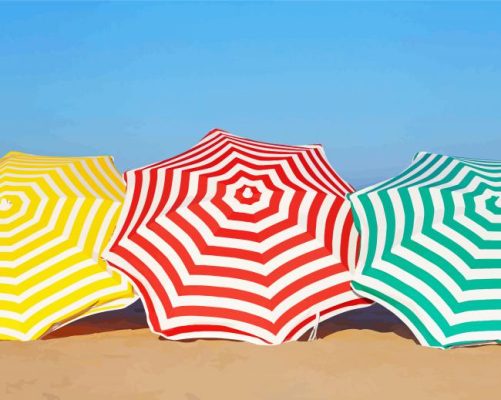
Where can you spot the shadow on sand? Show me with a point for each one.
(375, 318)
(132, 317)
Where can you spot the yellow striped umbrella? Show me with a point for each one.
(56, 216)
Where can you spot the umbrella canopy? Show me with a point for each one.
(431, 248)
(56, 215)
(238, 239)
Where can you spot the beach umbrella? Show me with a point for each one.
(56, 215)
(431, 248)
(238, 239)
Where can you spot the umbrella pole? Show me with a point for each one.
(313, 334)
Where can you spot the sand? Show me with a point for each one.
(364, 354)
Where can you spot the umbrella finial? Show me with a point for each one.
(498, 202)
(247, 193)
(5, 204)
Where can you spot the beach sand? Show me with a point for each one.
(364, 354)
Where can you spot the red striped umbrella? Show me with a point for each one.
(238, 239)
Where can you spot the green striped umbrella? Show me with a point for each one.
(431, 248)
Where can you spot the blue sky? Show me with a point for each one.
(374, 82)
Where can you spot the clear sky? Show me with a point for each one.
(374, 82)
